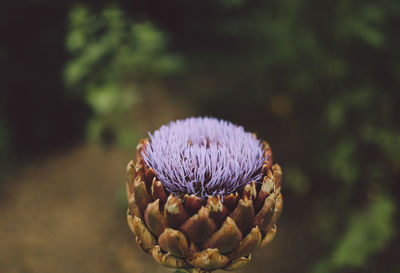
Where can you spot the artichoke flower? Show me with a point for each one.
(203, 195)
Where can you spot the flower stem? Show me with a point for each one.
(191, 270)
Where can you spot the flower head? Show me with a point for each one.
(204, 156)
(203, 195)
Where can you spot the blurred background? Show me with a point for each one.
(82, 82)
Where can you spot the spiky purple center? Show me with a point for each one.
(204, 156)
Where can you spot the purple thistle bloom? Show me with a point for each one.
(204, 156)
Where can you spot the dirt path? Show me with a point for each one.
(66, 213)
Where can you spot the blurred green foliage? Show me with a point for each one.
(367, 232)
(112, 57)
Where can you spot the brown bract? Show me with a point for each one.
(185, 232)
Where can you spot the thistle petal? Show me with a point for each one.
(167, 259)
(142, 144)
(269, 236)
(149, 174)
(265, 168)
(231, 200)
(277, 212)
(267, 154)
(238, 263)
(140, 245)
(139, 168)
(128, 191)
(158, 192)
(277, 172)
(199, 227)
(174, 212)
(176, 243)
(249, 243)
(264, 216)
(192, 203)
(218, 211)
(153, 218)
(250, 191)
(133, 208)
(244, 215)
(266, 188)
(209, 258)
(129, 219)
(142, 197)
(226, 238)
(143, 234)
(130, 169)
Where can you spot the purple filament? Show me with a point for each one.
(204, 156)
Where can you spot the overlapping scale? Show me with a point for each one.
(186, 232)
